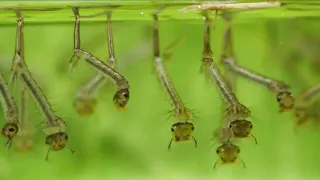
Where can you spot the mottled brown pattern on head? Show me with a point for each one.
(121, 98)
(286, 100)
(228, 152)
(241, 128)
(57, 141)
(10, 130)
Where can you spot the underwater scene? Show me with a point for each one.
(170, 90)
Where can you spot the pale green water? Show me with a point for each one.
(133, 144)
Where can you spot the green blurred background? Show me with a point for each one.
(133, 144)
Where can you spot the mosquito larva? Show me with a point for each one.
(227, 52)
(284, 97)
(36, 92)
(167, 54)
(85, 100)
(182, 131)
(11, 128)
(180, 111)
(235, 110)
(228, 154)
(19, 45)
(76, 37)
(303, 108)
(121, 97)
(308, 94)
(24, 139)
(53, 124)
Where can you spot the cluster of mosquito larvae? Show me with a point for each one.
(53, 126)
(235, 123)
(85, 99)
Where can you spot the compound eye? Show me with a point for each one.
(66, 137)
(251, 126)
(230, 126)
(192, 128)
(279, 97)
(11, 129)
(238, 151)
(172, 129)
(126, 95)
(217, 151)
(48, 140)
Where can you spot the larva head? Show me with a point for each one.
(57, 141)
(240, 128)
(10, 130)
(121, 98)
(84, 106)
(228, 152)
(182, 131)
(285, 100)
(207, 61)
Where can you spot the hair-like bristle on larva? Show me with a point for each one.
(235, 108)
(180, 111)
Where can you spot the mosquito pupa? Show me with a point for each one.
(180, 111)
(228, 154)
(121, 97)
(235, 109)
(285, 98)
(85, 100)
(11, 114)
(182, 131)
(24, 139)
